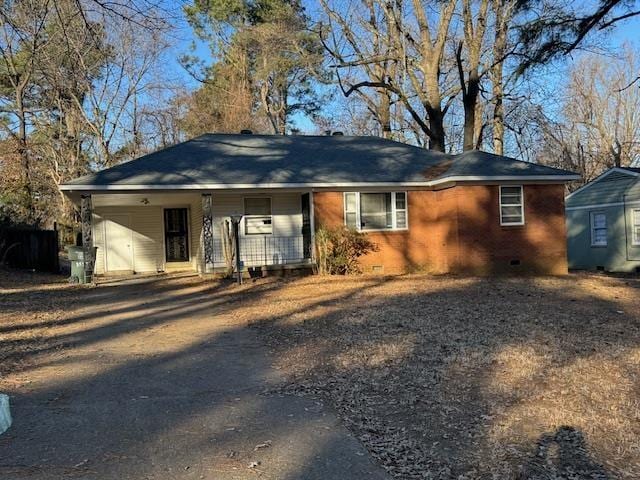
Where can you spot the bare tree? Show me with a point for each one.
(125, 76)
(600, 123)
(406, 60)
(375, 52)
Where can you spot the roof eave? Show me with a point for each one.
(239, 186)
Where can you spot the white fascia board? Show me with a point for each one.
(235, 186)
(508, 178)
(239, 186)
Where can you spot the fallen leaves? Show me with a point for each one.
(463, 378)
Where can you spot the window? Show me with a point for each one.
(257, 216)
(511, 205)
(176, 234)
(401, 210)
(351, 210)
(598, 229)
(375, 211)
(636, 226)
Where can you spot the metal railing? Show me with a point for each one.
(263, 250)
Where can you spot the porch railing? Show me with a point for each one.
(262, 250)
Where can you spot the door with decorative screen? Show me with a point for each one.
(176, 234)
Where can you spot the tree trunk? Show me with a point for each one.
(470, 100)
(23, 153)
(384, 113)
(437, 136)
(499, 50)
(474, 39)
(284, 108)
(433, 106)
(498, 120)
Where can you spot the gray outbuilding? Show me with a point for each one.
(603, 223)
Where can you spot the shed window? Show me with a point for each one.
(511, 205)
(375, 211)
(636, 226)
(257, 216)
(598, 229)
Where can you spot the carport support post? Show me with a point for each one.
(87, 239)
(207, 232)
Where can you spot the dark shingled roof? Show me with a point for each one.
(252, 160)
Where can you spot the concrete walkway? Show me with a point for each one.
(163, 383)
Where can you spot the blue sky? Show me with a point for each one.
(626, 32)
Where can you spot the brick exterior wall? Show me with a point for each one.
(457, 230)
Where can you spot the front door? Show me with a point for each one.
(118, 239)
(176, 234)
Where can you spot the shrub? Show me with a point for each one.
(338, 250)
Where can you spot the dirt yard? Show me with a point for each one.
(439, 377)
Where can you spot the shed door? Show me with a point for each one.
(118, 241)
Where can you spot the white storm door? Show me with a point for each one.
(118, 236)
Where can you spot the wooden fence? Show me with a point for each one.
(31, 249)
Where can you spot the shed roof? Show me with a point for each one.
(614, 186)
(274, 161)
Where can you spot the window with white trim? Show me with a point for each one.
(375, 211)
(598, 229)
(257, 216)
(401, 210)
(636, 226)
(511, 205)
(351, 210)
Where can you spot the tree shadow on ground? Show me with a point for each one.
(438, 379)
(164, 377)
(164, 388)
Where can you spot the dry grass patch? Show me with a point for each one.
(472, 378)
(440, 377)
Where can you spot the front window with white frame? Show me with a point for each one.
(636, 226)
(598, 229)
(376, 210)
(511, 205)
(257, 216)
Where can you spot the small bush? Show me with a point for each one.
(339, 249)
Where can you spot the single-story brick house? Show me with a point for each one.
(603, 222)
(427, 211)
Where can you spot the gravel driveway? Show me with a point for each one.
(156, 379)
